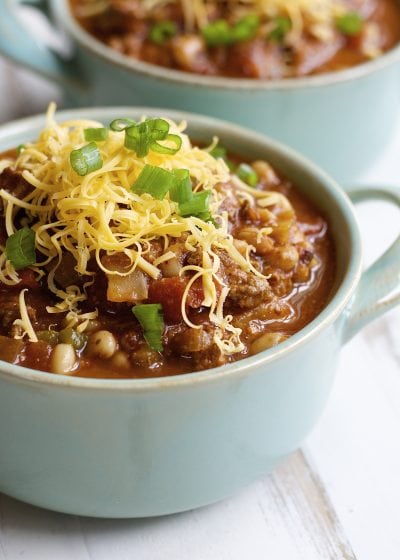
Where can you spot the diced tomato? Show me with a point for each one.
(169, 292)
(38, 355)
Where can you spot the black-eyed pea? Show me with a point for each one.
(63, 359)
(265, 341)
(120, 360)
(102, 344)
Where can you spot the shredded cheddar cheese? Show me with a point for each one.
(99, 214)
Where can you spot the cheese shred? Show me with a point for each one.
(99, 214)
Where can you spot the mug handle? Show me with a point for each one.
(18, 45)
(373, 297)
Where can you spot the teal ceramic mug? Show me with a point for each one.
(341, 120)
(134, 448)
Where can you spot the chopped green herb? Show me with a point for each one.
(282, 26)
(217, 33)
(150, 317)
(247, 174)
(350, 24)
(20, 248)
(86, 159)
(246, 28)
(155, 181)
(197, 205)
(162, 32)
(181, 190)
(95, 134)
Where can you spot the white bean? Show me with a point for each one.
(102, 344)
(120, 360)
(63, 359)
(265, 341)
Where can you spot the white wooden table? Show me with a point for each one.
(338, 498)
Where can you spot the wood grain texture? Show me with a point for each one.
(287, 515)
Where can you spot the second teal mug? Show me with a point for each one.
(341, 120)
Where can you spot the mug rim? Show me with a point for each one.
(244, 366)
(62, 12)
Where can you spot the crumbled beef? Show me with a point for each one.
(9, 311)
(13, 182)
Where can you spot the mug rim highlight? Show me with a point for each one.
(328, 315)
(62, 12)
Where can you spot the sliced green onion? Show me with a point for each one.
(218, 152)
(282, 26)
(20, 248)
(247, 174)
(86, 159)
(162, 32)
(20, 148)
(181, 190)
(144, 137)
(155, 181)
(208, 217)
(350, 23)
(136, 141)
(174, 139)
(217, 33)
(245, 28)
(197, 205)
(150, 317)
(157, 129)
(118, 125)
(95, 134)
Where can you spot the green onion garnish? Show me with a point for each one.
(144, 137)
(197, 205)
(95, 134)
(350, 23)
(181, 190)
(20, 248)
(155, 181)
(150, 317)
(217, 33)
(245, 28)
(86, 159)
(20, 148)
(282, 26)
(247, 174)
(118, 125)
(162, 32)
(218, 152)
(174, 139)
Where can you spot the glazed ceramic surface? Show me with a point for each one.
(133, 448)
(341, 120)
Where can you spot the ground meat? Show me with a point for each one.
(257, 59)
(13, 182)
(210, 358)
(9, 312)
(246, 289)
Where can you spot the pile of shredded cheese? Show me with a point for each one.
(87, 216)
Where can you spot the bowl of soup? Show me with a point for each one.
(174, 294)
(321, 75)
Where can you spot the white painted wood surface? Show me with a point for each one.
(346, 506)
